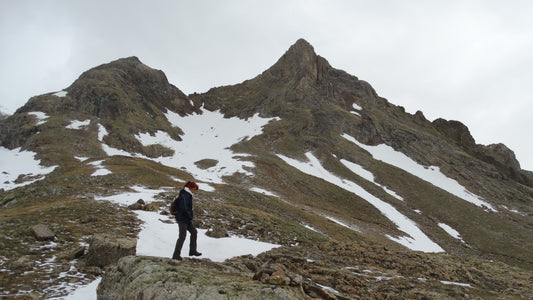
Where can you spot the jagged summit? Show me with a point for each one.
(300, 78)
(301, 61)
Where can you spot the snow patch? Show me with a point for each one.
(41, 116)
(514, 211)
(75, 124)
(416, 240)
(158, 238)
(208, 136)
(102, 132)
(110, 151)
(456, 283)
(60, 94)
(357, 108)
(139, 192)
(337, 221)
(263, 191)
(86, 292)
(14, 163)
(431, 174)
(452, 232)
(359, 170)
(100, 170)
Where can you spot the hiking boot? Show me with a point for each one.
(194, 253)
(178, 258)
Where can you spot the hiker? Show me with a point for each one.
(184, 219)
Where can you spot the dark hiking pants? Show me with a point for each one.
(184, 227)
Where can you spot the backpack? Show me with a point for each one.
(174, 207)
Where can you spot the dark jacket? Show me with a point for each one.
(184, 207)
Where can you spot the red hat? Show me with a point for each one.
(191, 185)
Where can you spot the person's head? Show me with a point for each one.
(193, 187)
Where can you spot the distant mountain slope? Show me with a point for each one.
(303, 155)
(318, 104)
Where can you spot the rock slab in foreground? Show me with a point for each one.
(136, 277)
(105, 249)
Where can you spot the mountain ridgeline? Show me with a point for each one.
(316, 112)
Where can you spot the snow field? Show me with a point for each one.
(201, 140)
(86, 292)
(16, 162)
(416, 239)
(208, 140)
(431, 174)
(158, 237)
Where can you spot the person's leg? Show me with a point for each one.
(192, 247)
(180, 241)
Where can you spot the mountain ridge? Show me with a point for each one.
(316, 140)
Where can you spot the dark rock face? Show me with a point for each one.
(15, 130)
(457, 132)
(119, 88)
(497, 155)
(502, 155)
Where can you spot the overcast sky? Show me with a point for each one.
(470, 61)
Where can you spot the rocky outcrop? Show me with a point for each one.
(457, 132)
(497, 155)
(162, 278)
(117, 89)
(328, 271)
(106, 249)
(500, 154)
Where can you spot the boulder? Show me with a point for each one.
(42, 232)
(105, 249)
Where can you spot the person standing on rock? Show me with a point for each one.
(184, 218)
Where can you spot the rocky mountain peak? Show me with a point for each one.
(301, 61)
(114, 89)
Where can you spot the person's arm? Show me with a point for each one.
(188, 208)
